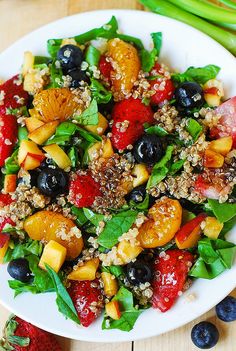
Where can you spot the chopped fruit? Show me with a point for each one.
(101, 149)
(110, 284)
(10, 183)
(3, 223)
(83, 190)
(34, 113)
(171, 269)
(99, 128)
(212, 227)
(164, 87)
(105, 68)
(58, 155)
(211, 188)
(213, 92)
(33, 123)
(55, 104)
(29, 156)
(129, 115)
(87, 298)
(126, 66)
(164, 221)
(4, 237)
(127, 252)
(8, 136)
(43, 133)
(49, 225)
(3, 249)
(30, 163)
(213, 159)
(28, 63)
(85, 272)
(222, 145)
(54, 254)
(140, 175)
(190, 233)
(5, 199)
(13, 94)
(113, 310)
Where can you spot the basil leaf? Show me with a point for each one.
(223, 212)
(148, 59)
(42, 280)
(175, 167)
(89, 116)
(115, 227)
(92, 56)
(99, 92)
(93, 217)
(66, 128)
(157, 41)
(11, 163)
(194, 128)
(159, 131)
(200, 75)
(64, 302)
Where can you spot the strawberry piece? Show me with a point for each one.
(105, 68)
(12, 94)
(5, 199)
(171, 270)
(28, 337)
(83, 190)
(8, 136)
(211, 189)
(164, 87)
(227, 122)
(87, 298)
(129, 116)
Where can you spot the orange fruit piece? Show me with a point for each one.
(55, 104)
(49, 225)
(165, 218)
(126, 66)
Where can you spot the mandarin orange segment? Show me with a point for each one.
(165, 218)
(126, 66)
(56, 104)
(49, 225)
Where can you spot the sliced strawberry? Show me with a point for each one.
(227, 122)
(8, 136)
(211, 188)
(87, 298)
(164, 87)
(12, 94)
(5, 199)
(105, 68)
(171, 270)
(129, 116)
(83, 190)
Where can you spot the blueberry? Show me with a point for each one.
(148, 149)
(226, 309)
(46, 162)
(52, 181)
(138, 194)
(70, 56)
(205, 335)
(19, 269)
(139, 272)
(77, 77)
(189, 95)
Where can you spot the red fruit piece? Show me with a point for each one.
(129, 116)
(105, 68)
(171, 270)
(5, 199)
(87, 298)
(12, 94)
(227, 122)
(8, 136)
(211, 189)
(83, 190)
(164, 87)
(39, 340)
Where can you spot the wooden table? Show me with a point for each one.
(18, 17)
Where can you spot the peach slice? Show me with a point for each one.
(140, 175)
(110, 284)
(85, 272)
(33, 123)
(29, 155)
(190, 233)
(54, 254)
(43, 133)
(222, 145)
(100, 127)
(10, 183)
(113, 309)
(58, 155)
(213, 159)
(212, 227)
(126, 252)
(3, 250)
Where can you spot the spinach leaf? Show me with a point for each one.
(63, 300)
(92, 56)
(157, 41)
(20, 287)
(159, 131)
(11, 163)
(141, 205)
(148, 59)
(116, 270)
(175, 167)
(89, 116)
(115, 227)
(227, 227)
(38, 60)
(33, 247)
(73, 156)
(99, 92)
(200, 75)
(194, 128)
(223, 212)
(161, 168)
(81, 219)
(129, 314)
(55, 75)
(93, 217)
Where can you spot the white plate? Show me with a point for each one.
(183, 46)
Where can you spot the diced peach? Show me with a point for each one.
(29, 148)
(30, 163)
(54, 254)
(50, 225)
(164, 221)
(58, 155)
(212, 227)
(10, 183)
(190, 233)
(33, 123)
(43, 133)
(112, 309)
(222, 145)
(99, 128)
(3, 250)
(85, 272)
(101, 149)
(110, 284)
(213, 92)
(213, 159)
(28, 63)
(126, 252)
(140, 175)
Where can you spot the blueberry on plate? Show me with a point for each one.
(205, 335)
(77, 76)
(139, 272)
(148, 149)
(226, 309)
(189, 95)
(52, 181)
(19, 269)
(70, 56)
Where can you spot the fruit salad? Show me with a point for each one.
(117, 177)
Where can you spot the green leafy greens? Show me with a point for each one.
(223, 212)
(194, 128)
(200, 75)
(89, 116)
